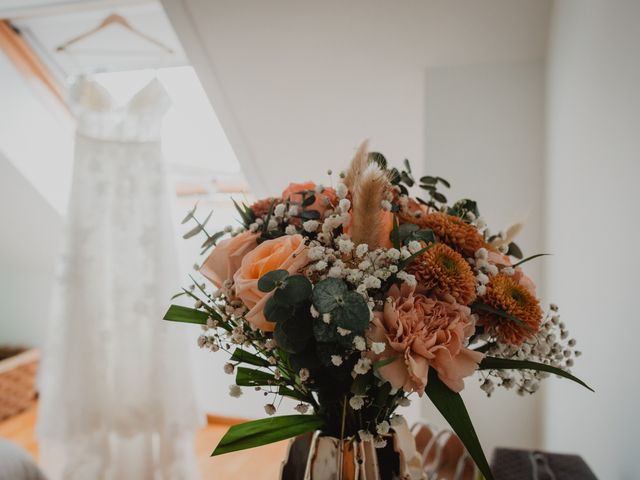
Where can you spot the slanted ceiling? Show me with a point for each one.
(297, 85)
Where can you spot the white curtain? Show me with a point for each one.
(117, 400)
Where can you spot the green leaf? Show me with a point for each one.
(309, 215)
(530, 258)
(324, 332)
(246, 214)
(493, 363)
(292, 334)
(189, 215)
(429, 180)
(438, 197)
(384, 362)
(178, 313)
(425, 235)
(444, 182)
(353, 314)
(272, 280)
(327, 293)
(403, 264)
(265, 225)
(289, 392)
(482, 307)
(310, 200)
(394, 236)
(242, 356)
(379, 159)
(266, 430)
(514, 251)
(296, 289)
(275, 311)
(452, 408)
(248, 377)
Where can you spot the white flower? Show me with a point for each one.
(343, 332)
(379, 442)
(316, 252)
(314, 313)
(393, 254)
(365, 436)
(304, 374)
(414, 246)
(202, 341)
(270, 344)
(326, 318)
(356, 402)
(278, 211)
(344, 205)
(319, 188)
(341, 190)
(482, 253)
(508, 271)
(270, 409)
(383, 428)
(345, 245)
(372, 282)
(404, 402)
(492, 269)
(310, 225)
(378, 347)
(293, 210)
(360, 343)
(386, 205)
(228, 368)
(407, 278)
(291, 230)
(335, 271)
(321, 265)
(235, 391)
(482, 278)
(336, 360)
(361, 249)
(302, 408)
(362, 366)
(481, 290)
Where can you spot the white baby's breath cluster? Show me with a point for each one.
(551, 345)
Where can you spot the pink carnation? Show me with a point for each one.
(424, 332)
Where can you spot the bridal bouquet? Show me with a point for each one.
(351, 298)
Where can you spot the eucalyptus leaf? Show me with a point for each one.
(452, 408)
(514, 251)
(266, 430)
(275, 311)
(309, 215)
(494, 363)
(296, 289)
(310, 200)
(354, 314)
(328, 294)
(292, 334)
(270, 280)
(189, 215)
(429, 180)
(193, 232)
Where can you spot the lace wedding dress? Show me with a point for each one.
(117, 401)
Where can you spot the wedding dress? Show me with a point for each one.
(117, 399)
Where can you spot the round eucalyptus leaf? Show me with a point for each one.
(296, 289)
(329, 294)
(292, 334)
(353, 314)
(324, 332)
(271, 280)
(275, 311)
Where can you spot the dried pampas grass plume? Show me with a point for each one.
(369, 185)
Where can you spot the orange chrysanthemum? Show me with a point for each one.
(453, 231)
(261, 207)
(507, 294)
(443, 271)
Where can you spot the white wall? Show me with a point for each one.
(484, 132)
(593, 174)
(31, 230)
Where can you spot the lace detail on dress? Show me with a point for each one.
(116, 384)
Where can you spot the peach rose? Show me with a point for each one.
(423, 333)
(284, 253)
(226, 257)
(323, 200)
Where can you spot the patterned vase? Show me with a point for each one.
(315, 456)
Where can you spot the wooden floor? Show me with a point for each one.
(257, 464)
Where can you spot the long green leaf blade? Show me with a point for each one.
(266, 430)
(248, 377)
(242, 356)
(452, 408)
(530, 258)
(493, 363)
(178, 313)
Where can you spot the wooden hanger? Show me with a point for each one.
(114, 19)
